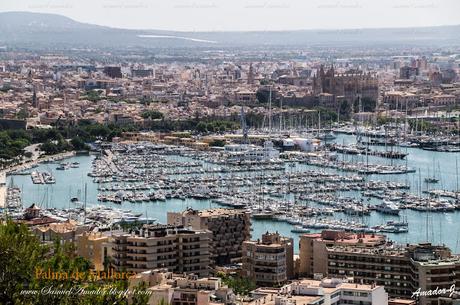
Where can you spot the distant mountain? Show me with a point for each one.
(25, 29)
(38, 22)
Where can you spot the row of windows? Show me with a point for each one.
(356, 294)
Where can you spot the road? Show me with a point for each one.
(2, 189)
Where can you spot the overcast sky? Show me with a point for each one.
(218, 15)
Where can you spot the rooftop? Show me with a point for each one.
(385, 250)
(341, 237)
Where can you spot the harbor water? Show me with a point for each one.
(435, 227)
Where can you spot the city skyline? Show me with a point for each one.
(202, 152)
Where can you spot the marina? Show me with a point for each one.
(291, 195)
(315, 161)
(42, 177)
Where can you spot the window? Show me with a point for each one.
(334, 295)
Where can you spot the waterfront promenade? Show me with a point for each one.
(31, 163)
(24, 166)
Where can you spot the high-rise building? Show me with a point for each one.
(163, 246)
(251, 75)
(113, 71)
(35, 103)
(270, 261)
(229, 227)
(408, 72)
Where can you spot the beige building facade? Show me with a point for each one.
(269, 262)
(229, 227)
(163, 246)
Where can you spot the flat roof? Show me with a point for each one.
(340, 237)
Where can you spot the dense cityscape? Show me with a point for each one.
(207, 173)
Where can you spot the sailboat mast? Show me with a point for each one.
(456, 177)
(84, 219)
(270, 113)
(319, 122)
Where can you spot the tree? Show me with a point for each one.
(78, 143)
(55, 147)
(326, 114)
(21, 254)
(368, 104)
(93, 95)
(12, 144)
(202, 127)
(382, 120)
(22, 114)
(263, 96)
(264, 82)
(217, 143)
(345, 109)
(152, 115)
(240, 285)
(140, 298)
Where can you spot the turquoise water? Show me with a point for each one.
(442, 227)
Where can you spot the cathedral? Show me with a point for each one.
(349, 86)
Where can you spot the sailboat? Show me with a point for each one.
(431, 179)
(300, 229)
(324, 135)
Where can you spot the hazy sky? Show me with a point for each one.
(216, 15)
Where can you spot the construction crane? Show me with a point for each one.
(244, 127)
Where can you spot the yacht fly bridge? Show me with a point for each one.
(251, 152)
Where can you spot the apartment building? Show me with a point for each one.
(163, 246)
(371, 259)
(324, 292)
(229, 227)
(96, 247)
(269, 262)
(388, 266)
(177, 289)
(313, 248)
(403, 270)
